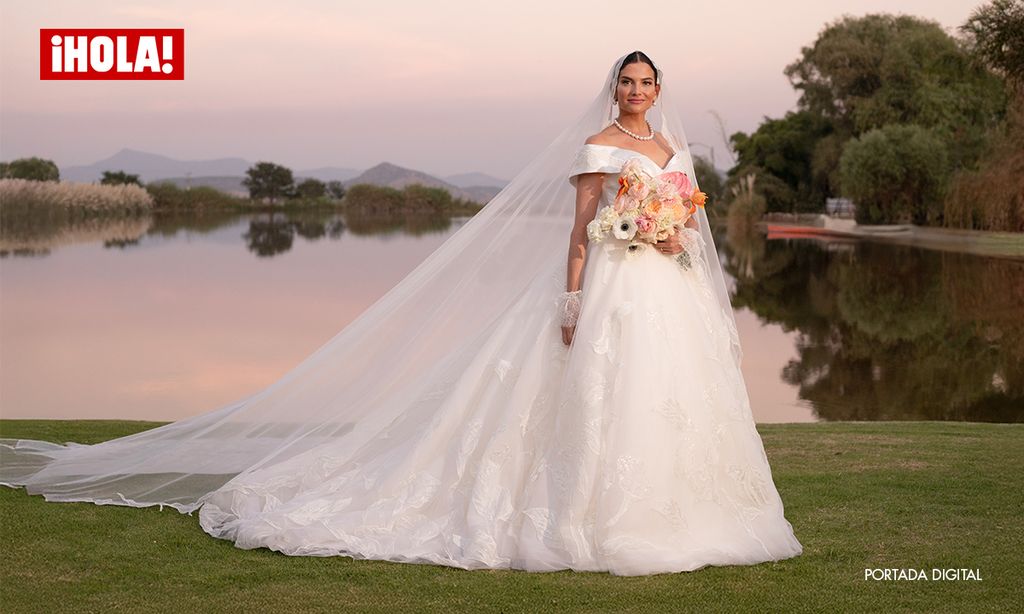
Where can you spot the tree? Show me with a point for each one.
(709, 179)
(867, 72)
(995, 33)
(991, 196)
(119, 178)
(336, 189)
(268, 180)
(777, 194)
(782, 150)
(32, 169)
(311, 188)
(895, 174)
(862, 74)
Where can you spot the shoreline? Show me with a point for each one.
(825, 228)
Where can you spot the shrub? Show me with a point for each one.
(119, 178)
(32, 169)
(421, 198)
(167, 195)
(895, 174)
(379, 199)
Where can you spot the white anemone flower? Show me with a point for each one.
(634, 249)
(625, 228)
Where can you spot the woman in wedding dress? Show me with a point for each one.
(503, 407)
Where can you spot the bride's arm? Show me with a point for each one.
(588, 193)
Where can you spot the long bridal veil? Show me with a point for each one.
(389, 368)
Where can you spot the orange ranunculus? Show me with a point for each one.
(653, 208)
(699, 198)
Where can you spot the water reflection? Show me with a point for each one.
(268, 234)
(180, 315)
(168, 316)
(888, 332)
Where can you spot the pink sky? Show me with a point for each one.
(444, 87)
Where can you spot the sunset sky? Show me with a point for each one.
(444, 87)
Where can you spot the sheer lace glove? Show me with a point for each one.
(693, 244)
(569, 308)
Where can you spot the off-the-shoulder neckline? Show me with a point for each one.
(640, 153)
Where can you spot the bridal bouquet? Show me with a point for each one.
(648, 209)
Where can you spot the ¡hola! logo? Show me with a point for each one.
(114, 54)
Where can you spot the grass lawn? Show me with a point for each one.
(918, 495)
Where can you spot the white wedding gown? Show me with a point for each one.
(633, 451)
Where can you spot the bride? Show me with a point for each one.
(503, 406)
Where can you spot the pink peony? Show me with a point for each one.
(680, 180)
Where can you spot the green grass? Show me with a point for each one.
(859, 495)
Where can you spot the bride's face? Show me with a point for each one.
(636, 89)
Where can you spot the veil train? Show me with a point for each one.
(389, 368)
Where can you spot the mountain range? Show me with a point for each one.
(226, 174)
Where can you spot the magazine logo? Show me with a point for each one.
(113, 53)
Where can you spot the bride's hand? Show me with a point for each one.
(567, 334)
(671, 245)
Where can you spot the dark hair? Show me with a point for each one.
(635, 57)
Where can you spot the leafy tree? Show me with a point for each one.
(991, 196)
(311, 188)
(709, 179)
(777, 194)
(825, 164)
(995, 33)
(895, 174)
(269, 180)
(32, 169)
(867, 72)
(780, 153)
(119, 178)
(336, 189)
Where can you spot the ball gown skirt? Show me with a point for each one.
(632, 451)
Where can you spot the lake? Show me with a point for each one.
(165, 318)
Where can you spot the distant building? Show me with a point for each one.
(839, 207)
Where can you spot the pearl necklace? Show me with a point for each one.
(635, 135)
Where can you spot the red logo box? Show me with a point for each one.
(137, 54)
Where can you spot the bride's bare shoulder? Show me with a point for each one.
(601, 138)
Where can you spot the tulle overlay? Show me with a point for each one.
(633, 451)
(449, 424)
